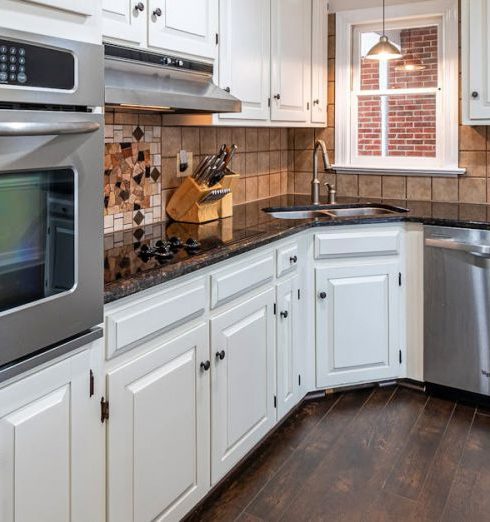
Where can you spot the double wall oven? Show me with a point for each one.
(51, 160)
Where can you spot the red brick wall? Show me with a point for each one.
(411, 119)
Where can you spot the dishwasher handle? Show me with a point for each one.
(452, 244)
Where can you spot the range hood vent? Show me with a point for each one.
(148, 81)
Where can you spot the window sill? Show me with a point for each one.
(399, 171)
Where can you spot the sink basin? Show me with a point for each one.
(337, 211)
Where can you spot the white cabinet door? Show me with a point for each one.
(184, 26)
(86, 8)
(244, 55)
(357, 323)
(476, 65)
(291, 60)
(51, 446)
(319, 62)
(158, 431)
(123, 22)
(242, 387)
(288, 344)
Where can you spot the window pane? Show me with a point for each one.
(412, 125)
(369, 132)
(419, 66)
(369, 68)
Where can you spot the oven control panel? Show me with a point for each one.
(24, 64)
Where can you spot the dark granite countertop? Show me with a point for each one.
(126, 272)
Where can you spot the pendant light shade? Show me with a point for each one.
(384, 49)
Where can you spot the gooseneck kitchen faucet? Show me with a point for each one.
(315, 183)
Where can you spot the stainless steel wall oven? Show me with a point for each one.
(51, 160)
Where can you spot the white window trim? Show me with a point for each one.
(446, 162)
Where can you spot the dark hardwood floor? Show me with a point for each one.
(379, 454)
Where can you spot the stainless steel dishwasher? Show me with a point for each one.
(457, 308)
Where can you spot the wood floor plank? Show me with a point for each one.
(388, 507)
(469, 498)
(233, 496)
(281, 491)
(436, 489)
(411, 470)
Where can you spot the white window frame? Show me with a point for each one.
(444, 14)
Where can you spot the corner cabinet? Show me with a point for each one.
(290, 60)
(158, 431)
(475, 32)
(52, 444)
(243, 380)
(183, 27)
(319, 61)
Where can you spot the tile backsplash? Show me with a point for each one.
(140, 170)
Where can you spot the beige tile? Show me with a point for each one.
(275, 184)
(238, 138)
(251, 138)
(347, 184)
(208, 141)
(275, 161)
(126, 118)
(171, 141)
(472, 138)
(190, 139)
(473, 190)
(394, 187)
(474, 162)
(304, 139)
(331, 70)
(302, 183)
(109, 118)
(263, 165)
(291, 182)
(264, 186)
(251, 188)
(331, 115)
(370, 186)
(284, 182)
(331, 46)
(169, 174)
(331, 24)
(150, 119)
(303, 160)
(284, 159)
(251, 163)
(444, 189)
(263, 139)
(327, 177)
(275, 139)
(224, 135)
(291, 133)
(238, 163)
(331, 93)
(239, 192)
(330, 138)
(419, 188)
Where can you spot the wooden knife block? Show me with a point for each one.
(184, 204)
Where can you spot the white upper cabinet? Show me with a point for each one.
(244, 55)
(158, 431)
(125, 21)
(319, 61)
(475, 52)
(86, 8)
(291, 60)
(184, 26)
(242, 382)
(51, 446)
(358, 323)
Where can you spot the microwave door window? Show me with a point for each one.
(37, 242)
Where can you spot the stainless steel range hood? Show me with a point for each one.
(148, 81)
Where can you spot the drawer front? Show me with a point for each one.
(238, 279)
(357, 243)
(155, 314)
(287, 259)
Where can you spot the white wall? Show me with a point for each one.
(345, 5)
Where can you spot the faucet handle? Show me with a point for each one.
(329, 186)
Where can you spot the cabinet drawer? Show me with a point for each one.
(241, 277)
(357, 243)
(152, 315)
(287, 259)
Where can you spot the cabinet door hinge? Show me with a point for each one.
(275, 309)
(299, 294)
(217, 38)
(400, 356)
(104, 410)
(399, 279)
(91, 384)
(275, 401)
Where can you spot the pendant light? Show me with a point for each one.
(384, 49)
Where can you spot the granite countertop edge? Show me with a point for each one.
(121, 288)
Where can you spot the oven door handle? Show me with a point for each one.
(26, 128)
(452, 244)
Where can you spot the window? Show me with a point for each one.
(401, 115)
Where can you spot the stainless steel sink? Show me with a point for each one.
(351, 211)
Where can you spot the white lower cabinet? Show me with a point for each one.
(158, 431)
(51, 446)
(288, 345)
(357, 323)
(243, 380)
